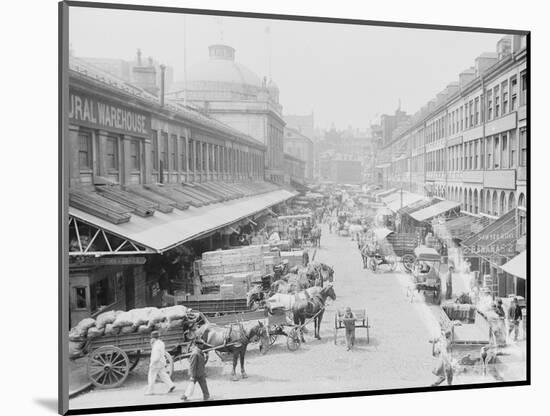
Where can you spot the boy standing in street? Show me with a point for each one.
(349, 322)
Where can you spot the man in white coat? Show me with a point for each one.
(157, 365)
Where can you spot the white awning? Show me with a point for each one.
(434, 210)
(517, 266)
(408, 199)
(162, 232)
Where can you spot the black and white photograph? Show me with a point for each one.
(277, 207)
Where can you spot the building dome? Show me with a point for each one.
(221, 73)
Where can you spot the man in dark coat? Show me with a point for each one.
(197, 362)
(514, 316)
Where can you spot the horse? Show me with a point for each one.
(319, 273)
(313, 307)
(234, 339)
(316, 236)
(287, 300)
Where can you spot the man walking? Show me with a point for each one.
(444, 368)
(514, 316)
(157, 365)
(197, 372)
(449, 283)
(349, 322)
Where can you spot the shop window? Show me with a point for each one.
(85, 150)
(164, 151)
(111, 153)
(134, 155)
(174, 153)
(523, 147)
(103, 293)
(523, 92)
(154, 150)
(504, 89)
(80, 298)
(513, 93)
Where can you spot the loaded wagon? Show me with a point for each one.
(426, 273)
(112, 357)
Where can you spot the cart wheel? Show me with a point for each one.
(272, 339)
(408, 262)
(169, 367)
(134, 363)
(108, 367)
(293, 340)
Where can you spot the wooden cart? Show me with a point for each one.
(111, 358)
(362, 321)
(280, 324)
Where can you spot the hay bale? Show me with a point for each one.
(111, 330)
(106, 318)
(156, 316)
(128, 329)
(175, 312)
(95, 332)
(123, 319)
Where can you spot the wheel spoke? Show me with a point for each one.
(122, 360)
(100, 359)
(114, 370)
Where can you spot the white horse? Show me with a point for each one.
(287, 300)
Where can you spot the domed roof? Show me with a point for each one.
(221, 67)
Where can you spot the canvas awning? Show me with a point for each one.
(434, 210)
(461, 228)
(163, 231)
(385, 192)
(517, 266)
(408, 199)
(381, 233)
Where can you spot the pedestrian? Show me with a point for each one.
(449, 283)
(500, 330)
(197, 372)
(514, 316)
(444, 368)
(349, 322)
(157, 365)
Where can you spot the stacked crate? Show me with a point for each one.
(295, 258)
(233, 271)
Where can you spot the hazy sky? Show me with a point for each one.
(346, 74)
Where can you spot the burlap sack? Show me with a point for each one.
(129, 329)
(175, 312)
(105, 318)
(123, 319)
(111, 330)
(156, 316)
(95, 332)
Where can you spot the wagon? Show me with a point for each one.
(426, 274)
(279, 321)
(112, 357)
(362, 321)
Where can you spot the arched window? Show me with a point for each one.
(503, 209)
(460, 199)
(476, 203)
(470, 202)
(495, 204)
(481, 201)
(488, 206)
(511, 200)
(521, 200)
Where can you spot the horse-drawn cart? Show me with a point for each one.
(111, 358)
(362, 321)
(278, 320)
(426, 275)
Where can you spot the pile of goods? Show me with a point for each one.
(295, 258)
(111, 323)
(232, 272)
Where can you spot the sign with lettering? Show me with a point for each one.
(499, 238)
(101, 114)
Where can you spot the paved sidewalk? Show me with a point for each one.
(78, 376)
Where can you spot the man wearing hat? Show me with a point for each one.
(157, 365)
(197, 372)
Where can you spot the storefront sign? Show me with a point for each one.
(499, 238)
(101, 114)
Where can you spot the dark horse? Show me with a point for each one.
(314, 307)
(234, 340)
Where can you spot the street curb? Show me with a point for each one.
(80, 390)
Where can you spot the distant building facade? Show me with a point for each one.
(301, 147)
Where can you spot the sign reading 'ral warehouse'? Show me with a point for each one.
(104, 115)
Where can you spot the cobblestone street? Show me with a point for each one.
(398, 355)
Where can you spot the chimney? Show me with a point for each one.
(518, 42)
(484, 62)
(145, 76)
(466, 76)
(162, 84)
(504, 47)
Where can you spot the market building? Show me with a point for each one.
(468, 146)
(233, 94)
(151, 185)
